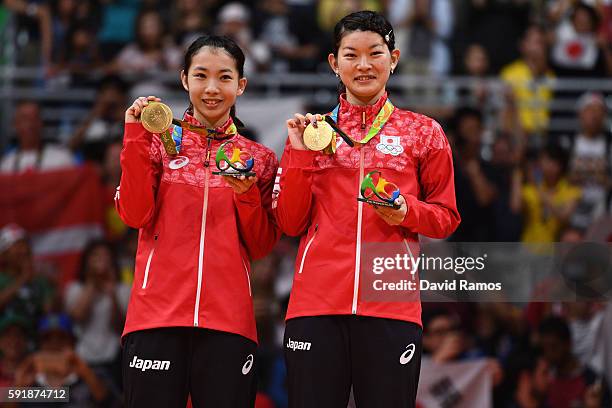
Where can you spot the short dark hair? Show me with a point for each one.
(364, 20)
(555, 326)
(556, 152)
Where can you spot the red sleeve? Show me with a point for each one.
(141, 163)
(434, 215)
(293, 191)
(258, 230)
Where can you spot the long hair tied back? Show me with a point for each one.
(229, 46)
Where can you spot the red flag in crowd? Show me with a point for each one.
(61, 210)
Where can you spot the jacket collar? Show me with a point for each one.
(371, 110)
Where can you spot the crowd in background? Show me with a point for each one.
(516, 180)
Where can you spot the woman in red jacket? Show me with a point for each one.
(338, 332)
(190, 327)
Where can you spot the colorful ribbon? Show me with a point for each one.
(380, 120)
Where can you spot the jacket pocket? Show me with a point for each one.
(308, 244)
(145, 280)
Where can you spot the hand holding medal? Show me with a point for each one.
(296, 127)
(134, 113)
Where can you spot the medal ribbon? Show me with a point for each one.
(172, 140)
(380, 120)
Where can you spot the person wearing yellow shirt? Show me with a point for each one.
(529, 79)
(548, 204)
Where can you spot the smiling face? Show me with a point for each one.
(364, 64)
(213, 83)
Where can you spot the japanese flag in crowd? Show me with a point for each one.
(573, 50)
(458, 385)
(61, 210)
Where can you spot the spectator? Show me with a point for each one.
(474, 187)
(576, 51)
(13, 347)
(34, 23)
(97, 303)
(79, 57)
(586, 321)
(152, 52)
(24, 292)
(32, 153)
(63, 13)
(291, 36)
(427, 27)
(56, 364)
(567, 382)
(549, 201)
(116, 26)
(476, 65)
(529, 79)
(331, 11)
(234, 23)
(104, 123)
(495, 24)
(590, 160)
(191, 19)
(506, 158)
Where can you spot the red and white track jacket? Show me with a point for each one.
(196, 236)
(315, 198)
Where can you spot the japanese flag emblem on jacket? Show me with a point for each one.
(390, 145)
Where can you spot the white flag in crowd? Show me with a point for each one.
(455, 385)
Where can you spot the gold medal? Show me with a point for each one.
(318, 138)
(156, 117)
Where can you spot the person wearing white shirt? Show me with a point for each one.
(31, 154)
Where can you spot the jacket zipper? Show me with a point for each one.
(146, 274)
(410, 254)
(307, 248)
(359, 222)
(202, 236)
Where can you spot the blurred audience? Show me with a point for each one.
(474, 186)
(25, 291)
(548, 201)
(31, 152)
(426, 29)
(517, 175)
(191, 19)
(104, 123)
(590, 159)
(97, 303)
(151, 52)
(577, 51)
(529, 77)
(14, 335)
(56, 364)
(291, 35)
(234, 22)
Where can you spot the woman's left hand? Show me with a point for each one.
(240, 184)
(393, 216)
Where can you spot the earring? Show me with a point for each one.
(392, 70)
(337, 74)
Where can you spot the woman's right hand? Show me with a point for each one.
(132, 114)
(296, 126)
